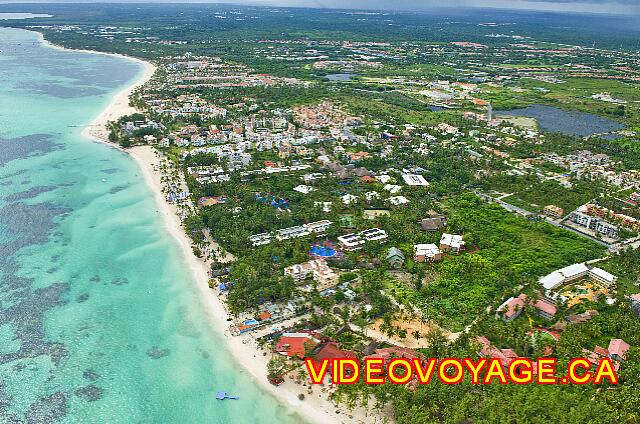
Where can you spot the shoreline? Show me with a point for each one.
(313, 409)
(316, 407)
(118, 106)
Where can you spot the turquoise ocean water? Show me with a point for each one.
(99, 322)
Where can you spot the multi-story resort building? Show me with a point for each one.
(573, 273)
(355, 241)
(318, 268)
(593, 223)
(260, 239)
(351, 241)
(374, 234)
(318, 227)
(553, 211)
(415, 180)
(292, 232)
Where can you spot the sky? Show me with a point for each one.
(624, 7)
(619, 7)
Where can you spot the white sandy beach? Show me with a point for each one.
(313, 408)
(316, 407)
(119, 105)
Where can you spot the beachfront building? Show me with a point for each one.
(348, 199)
(374, 234)
(351, 241)
(602, 276)
(393, 352)
(545, 308)
(617, 351)
(211, 201)
(451, 242)
(357, 156)
(513, 307)
(370, 196)
(398, 201)
(304, 189)
(296, 345)
(330, 351)
(427, 253)
(635, 303)
(563, 276)
(392, 188)
(505, 356)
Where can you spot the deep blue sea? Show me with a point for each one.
(99, 320)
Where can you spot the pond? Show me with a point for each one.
(340, 77)
(553, 119)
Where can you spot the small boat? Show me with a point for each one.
(224, 395)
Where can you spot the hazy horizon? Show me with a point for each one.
(613, 7)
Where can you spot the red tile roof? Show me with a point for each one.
(618, 347)
(546, 307)
(295, 344)
(394, 352)
(505, 356)
(513, 307)
(264, 315)
(600, 351)
(331, 351)
(357, 155)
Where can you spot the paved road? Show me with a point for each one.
(573, 230)
(507, 206)
(523, 212)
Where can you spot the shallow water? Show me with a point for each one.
(99, 320)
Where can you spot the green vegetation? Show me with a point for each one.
(416, 105)
(512, 253)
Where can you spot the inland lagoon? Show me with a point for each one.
(340, 77)
(553, 119)
(100, 320)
